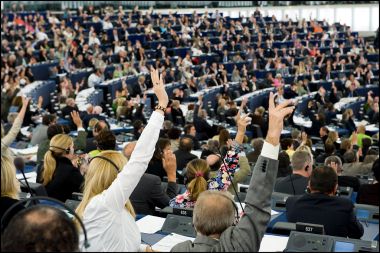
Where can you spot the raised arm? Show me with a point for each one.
(231, 161)
(120, 190)
(13, 132)
(248, 233)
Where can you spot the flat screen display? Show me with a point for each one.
(344, 247)
(362, 214)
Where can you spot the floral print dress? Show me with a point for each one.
(220, 182)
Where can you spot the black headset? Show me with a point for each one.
(67, 150)
(108, 160)
(34, 201)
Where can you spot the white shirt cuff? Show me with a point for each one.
(270, 151)
(80, 129)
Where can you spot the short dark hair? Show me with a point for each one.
(98, 126)
(323, 179)
(40, 228)
(186, 144)
(55, 129)
(187, 128)
(47, 119)
(285, 143)
(106, 140)
(349, 156)
(174, 133)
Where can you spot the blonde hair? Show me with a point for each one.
(92, 122)
(9, 183)
(99, 177)
(197, 174)
(332, 136)
(58, 146)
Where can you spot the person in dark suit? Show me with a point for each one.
(346, 181)
(369, 193)
(214, 216)
(90, 142)
(149, 193)
(336, 214)
(203, 128)
(155, 166)
(296, 183)
(183, 154)
(257, 145)
(190, 132)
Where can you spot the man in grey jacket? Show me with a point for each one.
(214, 212)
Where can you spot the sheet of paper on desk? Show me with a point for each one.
(25, 151)
(168, 242)
(272, 243)
(150, 224)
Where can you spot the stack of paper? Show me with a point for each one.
(150, 224)
(168, 242)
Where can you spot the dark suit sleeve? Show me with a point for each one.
(80, 141)
(157, 194)
(355, 228)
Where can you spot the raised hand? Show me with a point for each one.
(169, 162)
(276, 119)
(159, 88)
(242, 121)
(76, 119)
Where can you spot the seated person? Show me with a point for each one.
(369, 193)
(183, 154)
(346, 181)
(149, 193)
(296, 183)
(41, 228)
(105, 140)
(198, 172)
(257, 145)
(214, 216)
(352, 166)
(336, 214)
(59, 176)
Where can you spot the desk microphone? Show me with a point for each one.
(20, 165)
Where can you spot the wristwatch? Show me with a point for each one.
(159, 107)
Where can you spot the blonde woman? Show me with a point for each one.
(10, 187)
(105, 209)
(60, 177)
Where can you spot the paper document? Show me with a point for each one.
(150, 224)
(25, 151)
(272, 243)
(168, 242)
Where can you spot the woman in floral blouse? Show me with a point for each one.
(198, 171)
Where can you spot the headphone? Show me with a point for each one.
(108, 160)
(34, 200)
(67, 150)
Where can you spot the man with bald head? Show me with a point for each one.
(149, 193)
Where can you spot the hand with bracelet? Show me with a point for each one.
(159, 90)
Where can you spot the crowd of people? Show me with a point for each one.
(117, 185)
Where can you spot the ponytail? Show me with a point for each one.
(196, 187)
(48, 167)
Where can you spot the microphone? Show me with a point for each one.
(20, 165)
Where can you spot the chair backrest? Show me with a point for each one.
(257, 131)
(278, 201)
